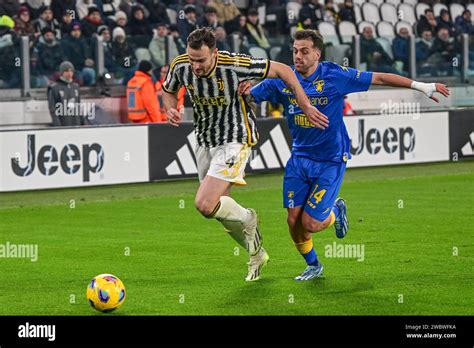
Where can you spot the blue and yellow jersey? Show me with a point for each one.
(326, 89)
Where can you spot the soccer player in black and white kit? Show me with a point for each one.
(226, 130)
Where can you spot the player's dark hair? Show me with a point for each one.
(200, 37)
(312, 35)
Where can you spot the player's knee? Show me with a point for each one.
(292, 221)
(312, 225)
(204, 206)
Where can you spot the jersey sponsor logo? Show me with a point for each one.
(313, 100)
(210, 101)
(319, 86)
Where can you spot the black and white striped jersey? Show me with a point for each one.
(221, 115)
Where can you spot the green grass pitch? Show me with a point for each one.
(415, 223)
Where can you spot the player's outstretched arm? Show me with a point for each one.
(284, 72)
(394, 80)
(170, 102)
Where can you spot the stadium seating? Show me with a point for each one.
(386, 30)
(347, 30)
(438, 7)
(173, 15)
(403, 24)
(378, 3)
(370, 12)
(389, 13)
(274, 51)
(364, 24)
(329, 33)
(293, 11)
(394, 2)
(420, 9)
(411, 2)
(258, 52)
(407, 13)
(456, 10)
(358, 14)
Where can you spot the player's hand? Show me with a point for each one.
(244, 88)
(440, 88)
(174, 117)
(317, 118)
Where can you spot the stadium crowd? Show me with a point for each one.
(132, 31)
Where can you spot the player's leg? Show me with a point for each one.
(225, 168)
(322, 208)
(303, 241)
(296, 188)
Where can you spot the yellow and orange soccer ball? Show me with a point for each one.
(106, 293)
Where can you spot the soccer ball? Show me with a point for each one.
(105, 293)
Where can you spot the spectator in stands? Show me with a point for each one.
(82, 8)
(123, 54)
(180, 44)
(143, 106)
(400, 47)
(373, 53)
(346, 13)
(330, 12)
(49, 56)
(158, 47)
(108, 9)
(9, 7)
(226, 10)
(464, 23)
(427, 22)
(77, 50)
(46, 20)
(9, 50)
(254, 31)
(60, 7)
(128, 5)
(449, 49)
(444, 21)
(311, 14)
(139, 25)
(221, 37)
(157, 10)
(92, 22)
(35, 7)
(426, 59)
(121, 21)
(64, 98)
(189, 23)
(23, 24)
(210, 18)
(66, 23)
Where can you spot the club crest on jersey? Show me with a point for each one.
(291, 194)
(220, 84)
(319, 86)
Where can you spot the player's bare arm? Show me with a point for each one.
(284, 72)
(394, 80)
(170, 101)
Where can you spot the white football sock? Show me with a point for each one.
(233, 216)
(232, 211)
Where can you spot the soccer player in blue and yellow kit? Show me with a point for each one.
(314, 172)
